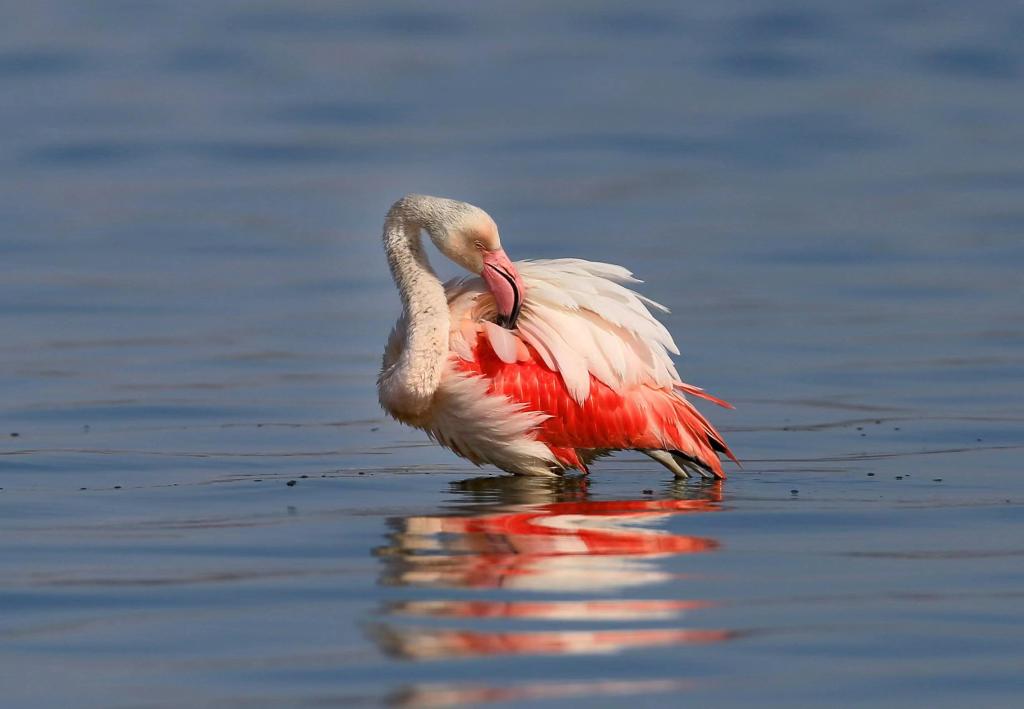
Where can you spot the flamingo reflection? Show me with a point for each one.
(566, 544)
(433, 643)
(444, 695)
(524, 535)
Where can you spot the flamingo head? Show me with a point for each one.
(469, 237)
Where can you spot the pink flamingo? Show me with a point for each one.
(535, 367)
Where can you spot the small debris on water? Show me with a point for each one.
(895, 428)
(648, 492)
(360, 473)
(877, 421)
(304, 477)
(860, 428)
(291, 483)
(899, 477)
(258, 480)
(375, 428)
(978, 440)
(871, 475)
(117, 487)
(936, 480)
(794, 492)
(83, 488)
(15, 434)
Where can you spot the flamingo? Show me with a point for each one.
(535, 367)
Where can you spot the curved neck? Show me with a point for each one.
(414, 377)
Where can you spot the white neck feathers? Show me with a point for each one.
(408, 385)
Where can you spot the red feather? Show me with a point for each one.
(643, 416)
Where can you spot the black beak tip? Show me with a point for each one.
(507, 321)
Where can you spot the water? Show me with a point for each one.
(194, 300)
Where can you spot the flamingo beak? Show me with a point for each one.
(506, 285)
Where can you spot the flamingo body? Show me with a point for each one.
(643, 418)
(582, 368)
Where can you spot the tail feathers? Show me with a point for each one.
(697, 391)
(719, 446)
(709, 435)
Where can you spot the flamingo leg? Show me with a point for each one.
(669, 461)
(693, 465)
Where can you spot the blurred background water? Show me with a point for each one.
(202, 504)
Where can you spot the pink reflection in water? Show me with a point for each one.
(443, 695)
(578, 545)
(555, 545)
(437, 644)
(603, 610)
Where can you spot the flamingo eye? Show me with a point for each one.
(479, 245)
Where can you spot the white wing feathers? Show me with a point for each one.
(580, 319)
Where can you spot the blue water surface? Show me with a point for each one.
(202, 504)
